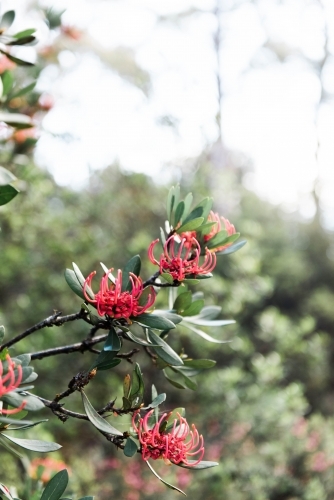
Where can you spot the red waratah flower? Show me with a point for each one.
(178, 445)
(182, 261)
(229, 228)
(112, 301)
(8, 383)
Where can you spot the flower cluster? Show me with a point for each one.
(10, 382)
(112, 301)
(176, 446)
(181, 258)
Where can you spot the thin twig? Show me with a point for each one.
(83, 346)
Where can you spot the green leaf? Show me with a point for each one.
(163, 481)
(232, 248)
(7, 193)
(56, 486)
(7, 20)
(130, 447)
(168, 424)
(182, 301)
(196, 320)
(22, 359)
(187, 204)
(137, 387)
(202, 465)
(194, 308)
(96, 419)
(16, 119)
(15, 399)
(174, 318)
(111, 277)
(181, 379)
(158, 400)
(206, 228)
(81, 280)
(86, 498)
(24, 33)
(24, 424)
(7, 82)
(153, 321)
(167, 277)
(113, 342)
(16, 60)
(34, 444)
(126, 403)
(164, 351)
(105, 360)
(210, 312)
(206, 205)
(178, 213)
(205, 335)
(73, 283)
(137, 340)
(2, 333)
(133, 266)
(190, 225)
(201, 364)
(24, 40)
(221, 239)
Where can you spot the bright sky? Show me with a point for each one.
(270, 109)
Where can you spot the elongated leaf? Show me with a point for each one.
(7, 19)
(105, 360)
(164, 350)
(24, 33)
(233, 248)
(56, 486)
(7, 421)
(158, 400)
(178, 213)
(16, 60)
(205, 335)
(7, 82)
(173, 382)
(210, 312)
(96, 419)
(16, 119)
(190, 225)
(206, 205)
(174, 318)
(2, 333)
(196, 213)
(9, 447)
(209, 322)
(163, 481)
(138, 340)
(206, 228)
(133, 266)
(153, 321)
(167, 277)
(126, 385)
(34, 444)
(24, 40)
(137, 387)
(130, 447)
(23, 359)
(113, 342)
(187, 205)
(15, 399)
(181, 377)
(111, 277)
(73, 283)
(7, 193)
(86, 498)
(202, 465)
(202, 364)
(24, 424)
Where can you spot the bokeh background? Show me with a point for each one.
(232, 99)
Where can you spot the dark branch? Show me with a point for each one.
(83, 346)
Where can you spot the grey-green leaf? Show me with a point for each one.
(7, 19)
(202, 465)
(163, 481)
(96, 419)
(133, 266)
(113, 342)
(34, 444)
(73, 283)
(164, 350)
(191, 225)
(154, 321)
(7, 193)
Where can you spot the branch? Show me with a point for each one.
(83, 346)
(54, 320)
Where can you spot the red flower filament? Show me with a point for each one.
(229, 228)
(8, 383)
(112, 301)
(178, 445)
(183, 260)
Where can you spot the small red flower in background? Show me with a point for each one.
(181, 259)
(177, 446)
(50, 465)
(117, 304)
(229, 228)
(8, 383)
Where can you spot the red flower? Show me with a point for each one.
(117, 304)
(182, 261)
(8, 383)
(229, 228)
(177, 446)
